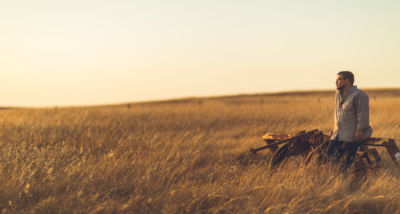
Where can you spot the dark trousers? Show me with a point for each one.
(342, 153)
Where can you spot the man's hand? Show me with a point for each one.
(358, 135)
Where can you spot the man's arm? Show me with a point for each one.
(362, 116)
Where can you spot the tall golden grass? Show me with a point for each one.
(185, 156)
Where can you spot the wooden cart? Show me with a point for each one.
(313, 144)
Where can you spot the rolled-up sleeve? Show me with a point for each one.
(362, 111)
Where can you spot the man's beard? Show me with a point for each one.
(340, 88)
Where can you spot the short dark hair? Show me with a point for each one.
(347, 75)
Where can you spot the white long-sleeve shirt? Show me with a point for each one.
(351, 112)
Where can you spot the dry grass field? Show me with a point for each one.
(185, 156)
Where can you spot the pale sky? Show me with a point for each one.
(86, 52)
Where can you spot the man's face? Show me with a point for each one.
(340, 82)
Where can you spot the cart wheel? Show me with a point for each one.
(318, 153)
(279, 156)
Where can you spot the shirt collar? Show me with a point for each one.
(349, 91)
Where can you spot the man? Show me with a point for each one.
(351, 120)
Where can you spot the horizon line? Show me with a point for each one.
(171, 99)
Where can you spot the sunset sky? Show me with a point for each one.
(85, 52)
